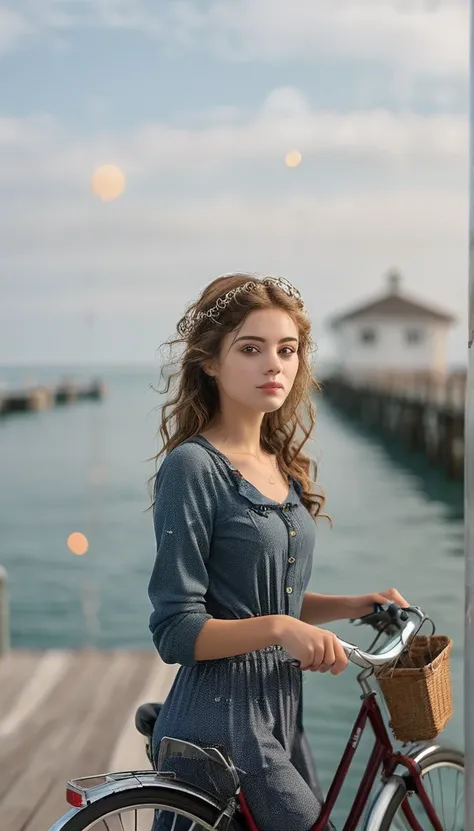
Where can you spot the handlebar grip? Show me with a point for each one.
(386, 616)
(392, 609)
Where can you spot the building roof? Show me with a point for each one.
(392, 304)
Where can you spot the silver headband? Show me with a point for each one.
(192, 319)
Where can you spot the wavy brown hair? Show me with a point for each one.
(193, 398)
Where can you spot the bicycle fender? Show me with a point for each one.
(382, 800)
(133, 781)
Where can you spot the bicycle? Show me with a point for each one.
(115, 800)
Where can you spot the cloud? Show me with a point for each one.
(417, 36)
(254, 144)
(320, 134)
(143, 260)
(412, 37)
(375, 189)
(13, 28)
(141, 230)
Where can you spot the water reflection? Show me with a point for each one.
(430, 479)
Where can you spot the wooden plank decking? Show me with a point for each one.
(66, 714)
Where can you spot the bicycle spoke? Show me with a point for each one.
(114, 824)
(442, 797)
(432, 796)
(457, 804)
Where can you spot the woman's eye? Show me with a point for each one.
(287, 350)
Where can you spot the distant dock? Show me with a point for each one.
(421, 413)
(43, 397)
(66, 714)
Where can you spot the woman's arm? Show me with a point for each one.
(324, 608)
(224, 638)
(183, 514)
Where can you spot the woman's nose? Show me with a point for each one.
(274, 364)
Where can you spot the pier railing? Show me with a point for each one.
(423, 413)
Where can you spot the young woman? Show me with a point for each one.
(234, 515)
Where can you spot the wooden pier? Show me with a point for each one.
(43, 397)
(422, 413)
(66, 714)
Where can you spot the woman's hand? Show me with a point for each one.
(316, 649)
(364, 604)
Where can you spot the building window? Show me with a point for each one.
(367, 335)
(413, 336)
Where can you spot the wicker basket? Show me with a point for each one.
(418, 689)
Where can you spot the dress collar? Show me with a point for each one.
(246, 489)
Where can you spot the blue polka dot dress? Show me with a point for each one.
(226, 551)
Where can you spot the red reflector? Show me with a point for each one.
(74, 798)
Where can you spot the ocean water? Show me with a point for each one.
(85, 467)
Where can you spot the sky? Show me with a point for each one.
(198, 102)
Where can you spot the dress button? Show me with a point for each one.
(289, 590)
(292, 533)
(286, 509)
(292, 559)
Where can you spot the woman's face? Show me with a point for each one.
(258, 363)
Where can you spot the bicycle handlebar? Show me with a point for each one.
(392, 650)
(386, 654)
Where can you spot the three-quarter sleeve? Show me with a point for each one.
(184, 510)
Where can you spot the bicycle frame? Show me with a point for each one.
(382, 757)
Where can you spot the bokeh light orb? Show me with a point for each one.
(108, 182)
(293, 158)
(77, 543)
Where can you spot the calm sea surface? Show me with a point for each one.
(84, 468)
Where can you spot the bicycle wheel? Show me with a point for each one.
(442, 772)
(147, 809)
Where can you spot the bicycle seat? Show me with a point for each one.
(145, 718)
